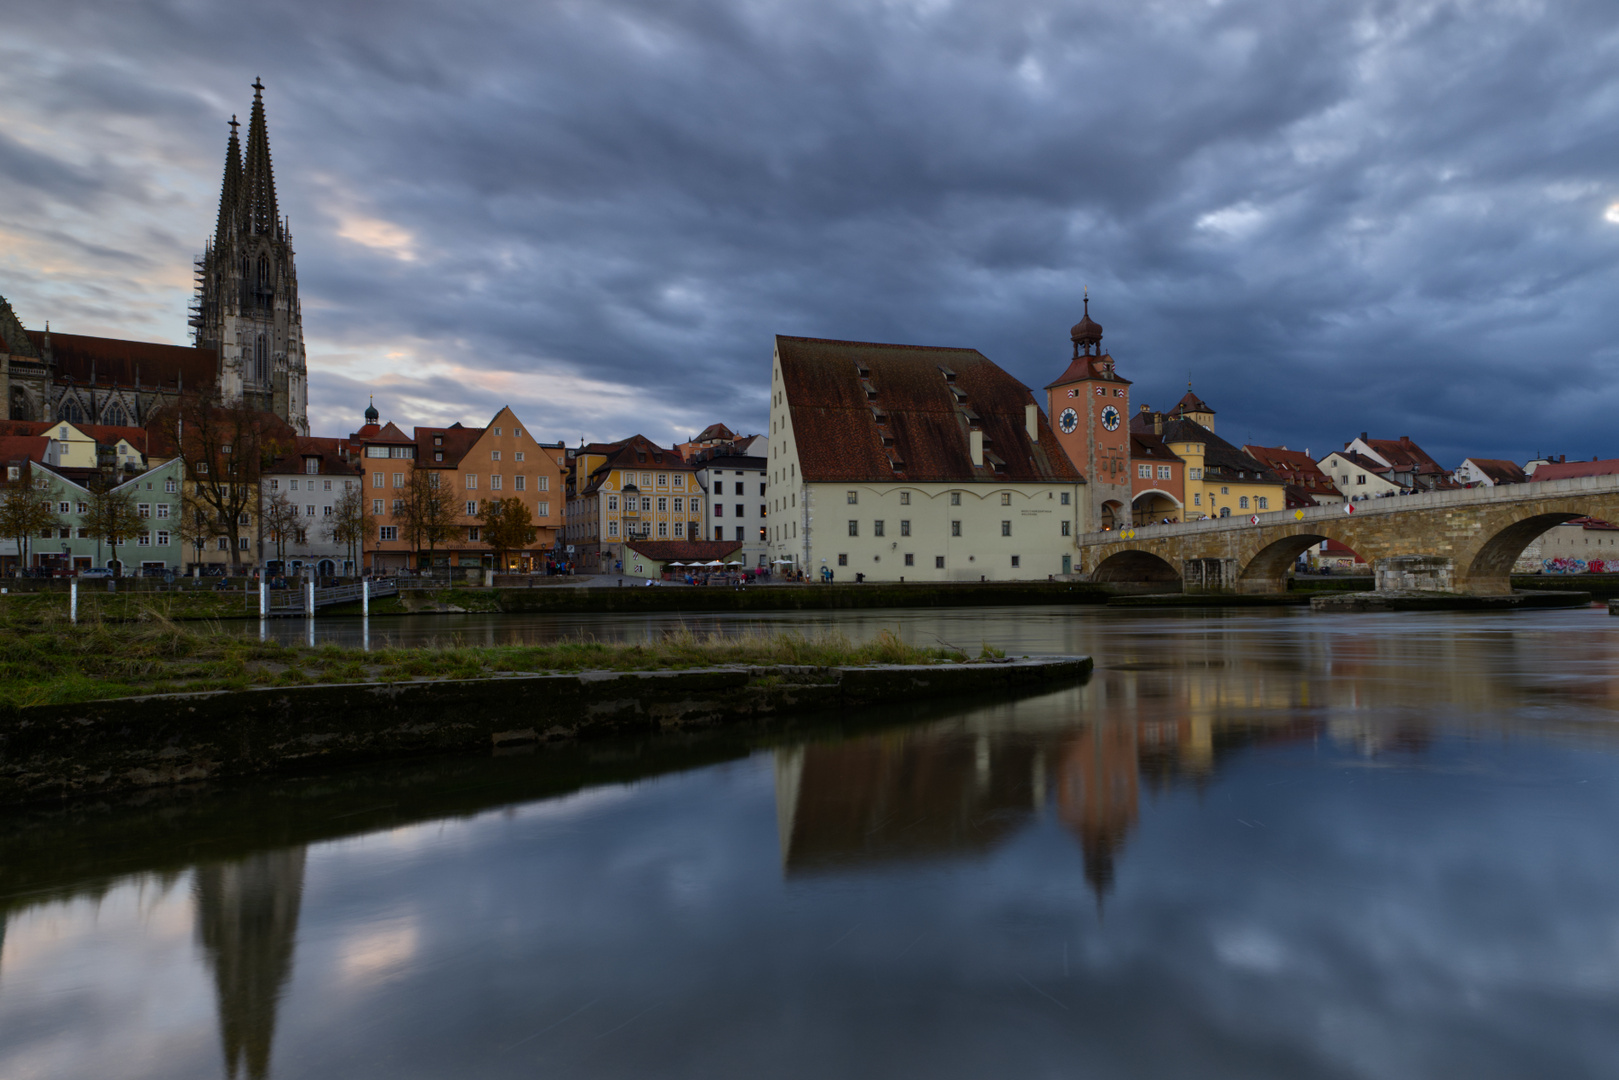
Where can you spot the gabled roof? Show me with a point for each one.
(1294, 467)
(732, 461)
(388, 433)
(1192, 403)
(458, 441)
(1499, 470)
(685, 550)
(1221, 460)
(714, 431)
(867, 412)
(108, 434)
(1402, 454)
(1565, 470)
(1361, 461)
(115, 362)
(638, 452)
(1147, 446)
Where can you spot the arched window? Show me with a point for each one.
(70, 411)
(1225, 511)
(261, 360)
(114, 415)
(1243, 502)
(265, 289)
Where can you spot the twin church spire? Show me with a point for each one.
(246, 306)
(247, 204)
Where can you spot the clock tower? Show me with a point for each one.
(1089, 404)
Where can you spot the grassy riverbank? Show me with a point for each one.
(46, 660)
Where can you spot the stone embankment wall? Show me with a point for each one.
(58, 751)
(636, 597)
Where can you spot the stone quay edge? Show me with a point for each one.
(64, 751)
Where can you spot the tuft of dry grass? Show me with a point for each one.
(44, 659)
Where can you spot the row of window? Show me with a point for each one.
(938, 560)
(144, 539)
(1145, 472)
(541, 509)
(741, 510)
(1261, 502)
(878, 528)
(853, 497)
(663, 504)
(309, 485)
(496, 482)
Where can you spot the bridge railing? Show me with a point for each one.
(1393, 504)
(291, 601)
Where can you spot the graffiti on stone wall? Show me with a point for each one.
(1573, 566)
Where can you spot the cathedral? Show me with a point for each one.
(247, 326)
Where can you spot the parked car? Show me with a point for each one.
(95, 572)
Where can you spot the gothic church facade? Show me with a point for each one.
(247, 325)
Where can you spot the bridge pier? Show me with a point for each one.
(1415, 573)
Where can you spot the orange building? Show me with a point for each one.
(500, 461)
(1157, 481)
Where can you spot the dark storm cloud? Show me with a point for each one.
(1376, 215)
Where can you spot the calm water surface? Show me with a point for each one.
(1252, 845)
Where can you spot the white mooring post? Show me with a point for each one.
(264, 598)
(73, 601)
(365, 598)
(309, 599)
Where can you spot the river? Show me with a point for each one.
(1254, 844)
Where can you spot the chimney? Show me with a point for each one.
(975, 441)
(1158, 423)
(1405, 440)
(1363, 436)
(1031, 421)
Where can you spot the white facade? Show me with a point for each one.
(967, 530)
(737, 504)
(1355, 481)
(315, 496)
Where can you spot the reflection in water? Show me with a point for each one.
(247, 924)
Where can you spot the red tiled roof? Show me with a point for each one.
(458, 441)
(685, 550)
(1501, 471)
(1595, 524)
(1565, 470)
(1192, 403)
(336, 457)
(714, 431)
(23, 447)
(922, 433)
(388, 433)
(115, 362)
(1403, 454)
(1084, 367)
(1294, 467)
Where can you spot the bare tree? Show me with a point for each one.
(112, 519)
(507, 526)
(350, 525)
(196, 526)
(428, 514)
(24, 514)
(281, 521)
(224, 449)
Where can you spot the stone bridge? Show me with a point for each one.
(1462, 541)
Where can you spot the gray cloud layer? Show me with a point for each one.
(1334, 217)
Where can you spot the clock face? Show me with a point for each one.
(1110, 418)
(1068, 421)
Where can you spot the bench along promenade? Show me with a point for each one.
(1461, 541)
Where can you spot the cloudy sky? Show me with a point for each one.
(1400, 217)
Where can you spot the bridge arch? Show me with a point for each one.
(1133, 564)
(1490, 568)
(1151, 506)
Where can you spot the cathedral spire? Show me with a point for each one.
(259, 214)
(230, 192)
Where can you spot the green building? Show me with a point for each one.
(71, 547)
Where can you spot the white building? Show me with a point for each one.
(736, 487)
(1359, 477)
(907, 462)
(312, 477)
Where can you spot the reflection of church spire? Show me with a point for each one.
(1097, 792)
(247, 923)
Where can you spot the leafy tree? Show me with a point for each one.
(25, 513)
(350, 525)
(507, 525)
(428, 515)
(112, 519)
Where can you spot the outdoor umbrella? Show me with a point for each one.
(713, 562)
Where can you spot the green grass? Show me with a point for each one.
(44, 659)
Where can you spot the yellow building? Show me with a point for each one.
(1221, 480)
(629, 490)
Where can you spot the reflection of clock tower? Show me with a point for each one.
(1090, 406)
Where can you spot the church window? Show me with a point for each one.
(261, 359)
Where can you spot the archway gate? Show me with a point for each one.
(1463, 540)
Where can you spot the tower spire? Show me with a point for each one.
(230, 191)
(259, 214)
